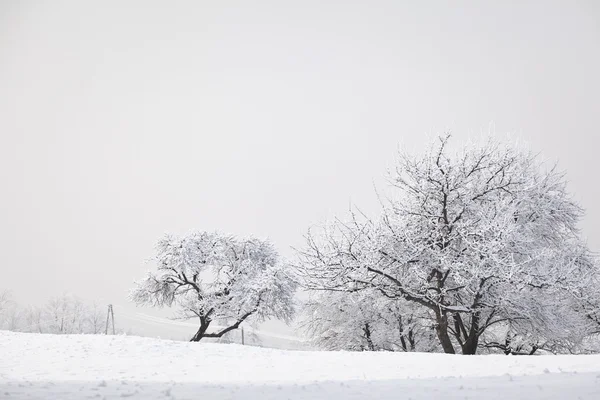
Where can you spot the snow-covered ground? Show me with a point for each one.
(34, 366)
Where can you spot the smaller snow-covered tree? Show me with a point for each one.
(95, 319)
(34, 319)
(366, 321)
(552, 322)
(13, 320)
(65, 314)
(5, 300)
(5, 303)
(341, 321)
(218, 279)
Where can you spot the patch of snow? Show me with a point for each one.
(34, 366)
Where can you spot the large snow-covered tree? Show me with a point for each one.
(218, 279)
(473, 237)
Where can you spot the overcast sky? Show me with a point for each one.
(121, 121)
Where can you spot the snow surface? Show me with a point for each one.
(34, 366)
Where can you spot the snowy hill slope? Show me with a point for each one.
(34, 366)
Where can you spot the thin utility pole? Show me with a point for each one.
(110, 316)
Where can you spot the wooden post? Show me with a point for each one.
(242, 335)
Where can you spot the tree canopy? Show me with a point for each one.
(479, 239)
(218, 279)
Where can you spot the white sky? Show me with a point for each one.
(120, 121)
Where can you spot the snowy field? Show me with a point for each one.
(36, 366)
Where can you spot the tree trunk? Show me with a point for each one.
(401, 332)
(441, 329)
(403, 342)
(469, 347)
(411, 339)
(367, 331)
(201, 331)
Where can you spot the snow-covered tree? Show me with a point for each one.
(473, 238)
(553, 322)
(65, 314)
(5, 303)
(95, 319)
(218, 279)
(33, 320)
(365, 321)
(11, 316)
